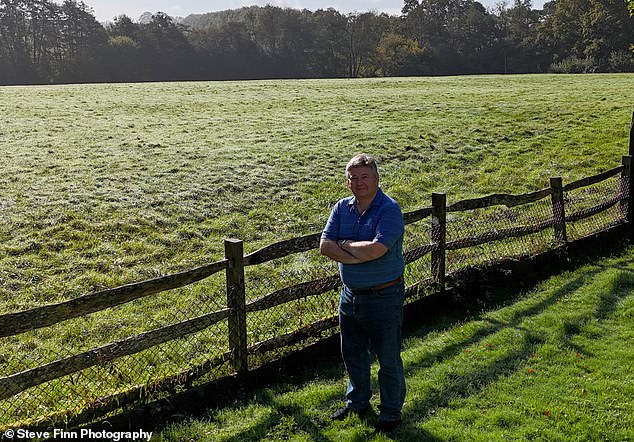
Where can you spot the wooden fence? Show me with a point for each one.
(237, 308)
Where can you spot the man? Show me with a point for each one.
(364, 234)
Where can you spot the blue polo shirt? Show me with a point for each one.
(383, 222)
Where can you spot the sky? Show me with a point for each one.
(106, 10)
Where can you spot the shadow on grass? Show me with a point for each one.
(467, 383)
(623, 285)
(300, 418)
(418, 409)
(494, 326)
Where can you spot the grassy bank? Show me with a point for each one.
(553, 364)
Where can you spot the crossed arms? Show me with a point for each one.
(352, 252)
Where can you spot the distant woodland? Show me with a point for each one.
(42, 42)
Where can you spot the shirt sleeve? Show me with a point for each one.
(331, 231)
(391, 227)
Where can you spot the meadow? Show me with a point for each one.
(107, 184)
(111, 183)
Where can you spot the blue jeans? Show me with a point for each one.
(371, 324)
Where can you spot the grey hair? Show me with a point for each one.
(362, 160)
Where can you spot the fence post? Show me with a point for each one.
(627, 186)
(236, 302)
(632, 136)
(438, 238)
(559, 214)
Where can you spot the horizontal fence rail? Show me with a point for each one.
(283, 248)
(242, 337)
(585, 182)
(303, 290)
(16, 383)
(499, 235)
(595, 210)
(20, 322)
(499, 200)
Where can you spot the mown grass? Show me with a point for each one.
(552, 364)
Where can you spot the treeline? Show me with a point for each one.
(46, 42)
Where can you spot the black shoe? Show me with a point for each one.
(386, 426)
(342, 413)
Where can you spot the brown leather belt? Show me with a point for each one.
(371, 290)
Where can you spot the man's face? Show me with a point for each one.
(363, 182)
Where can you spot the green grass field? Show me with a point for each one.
(106, 184)
(109, 184)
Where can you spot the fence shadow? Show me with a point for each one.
(609, 301)
(322, 361)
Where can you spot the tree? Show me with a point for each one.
(285, 36)
(363, 33)
(475, 36)
(328, 54)
(227, 51)
(458, 34)
(47, 42)
(124, 60)
(27, 37)
(630, 7)
(585, 30)
(166, 50)
(123, 25)
(82, 44)
(516, 42)
(399, 55)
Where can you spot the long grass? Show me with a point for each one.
(552, 364)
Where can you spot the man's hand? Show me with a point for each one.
(364, 250)
(334, 251)
(352, 252)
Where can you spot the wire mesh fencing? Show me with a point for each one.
(489, 234)
(315, 301)
(255, 308)
(609, 198)
(51, 359)
(416, 246)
